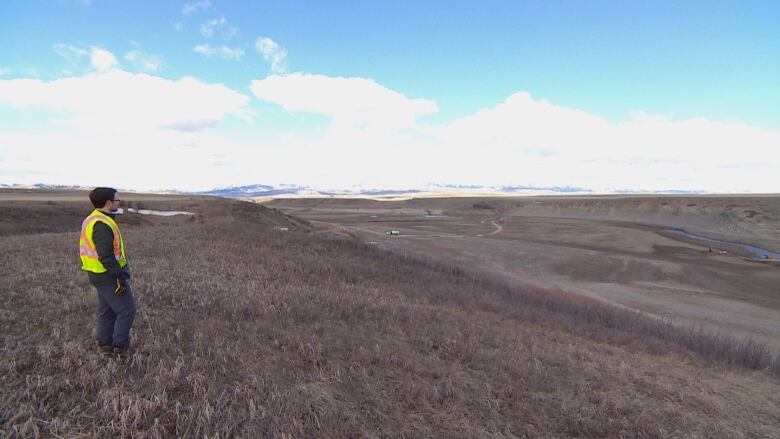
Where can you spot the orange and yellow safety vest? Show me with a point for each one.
(89, 257)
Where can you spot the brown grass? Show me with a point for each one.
(245, 331)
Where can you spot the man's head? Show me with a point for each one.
(104, 198)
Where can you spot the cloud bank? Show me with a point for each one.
(164, 133)
(351, 103)
(127, 129)
(122, 101)
(553, 145)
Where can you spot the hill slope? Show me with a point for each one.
(244, 330)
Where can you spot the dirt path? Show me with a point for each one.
(499, 228)
(632, 265)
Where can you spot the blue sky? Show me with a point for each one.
(618, 62)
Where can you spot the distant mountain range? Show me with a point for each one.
(43, 186)
(257, 190)
(294, 190)
(262, 190)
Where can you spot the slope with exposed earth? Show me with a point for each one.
(621, 249)
(246, 330)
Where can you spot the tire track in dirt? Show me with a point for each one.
(498, 227)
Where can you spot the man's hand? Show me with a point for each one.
(120, 288)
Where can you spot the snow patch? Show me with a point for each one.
(157, 212)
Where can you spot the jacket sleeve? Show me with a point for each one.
(104, 244)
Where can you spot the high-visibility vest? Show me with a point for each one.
(89, 257)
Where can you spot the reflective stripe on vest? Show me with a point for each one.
(90, 260)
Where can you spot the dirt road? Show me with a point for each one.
(499, 228)
(628, 263)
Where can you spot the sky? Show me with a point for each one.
(622, 95)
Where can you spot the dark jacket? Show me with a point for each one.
(103, 237)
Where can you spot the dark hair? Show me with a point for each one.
(100, 195)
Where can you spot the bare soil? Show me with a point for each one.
(619, 249)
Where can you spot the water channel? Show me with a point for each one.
(757, 252)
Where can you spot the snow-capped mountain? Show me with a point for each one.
(296, 190)
(258, 190)
(44, 186)
(266, 190)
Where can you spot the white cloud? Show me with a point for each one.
(178, 26)
(519, 141)
(273, 53)
(207, 28)
(101, 59)
(119, 101)
(5, 71)
(350, 102)
(224, 52)
(143, 61)
(522, 123)
(195, 7)
(542, 143)
(373, 138)
(158, 127)
(145, 161)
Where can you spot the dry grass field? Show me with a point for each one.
(244, 330)
(624, 250)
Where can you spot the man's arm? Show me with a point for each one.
(104, 244)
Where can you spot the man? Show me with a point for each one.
(102, 252)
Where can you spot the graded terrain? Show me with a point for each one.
(626, 250)
(252, 323)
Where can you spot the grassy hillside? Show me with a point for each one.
(244, 330)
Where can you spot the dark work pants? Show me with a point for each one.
(115, 315)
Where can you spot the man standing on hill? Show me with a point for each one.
(102, 252)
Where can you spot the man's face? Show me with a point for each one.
(113, 205)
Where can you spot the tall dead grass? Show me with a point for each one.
(574, 312)
(244, 331)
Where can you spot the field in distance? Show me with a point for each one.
(252, 323)
(630, 251)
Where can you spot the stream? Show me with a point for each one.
(757, 252)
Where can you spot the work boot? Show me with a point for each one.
(106, 350)
(122, 352)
